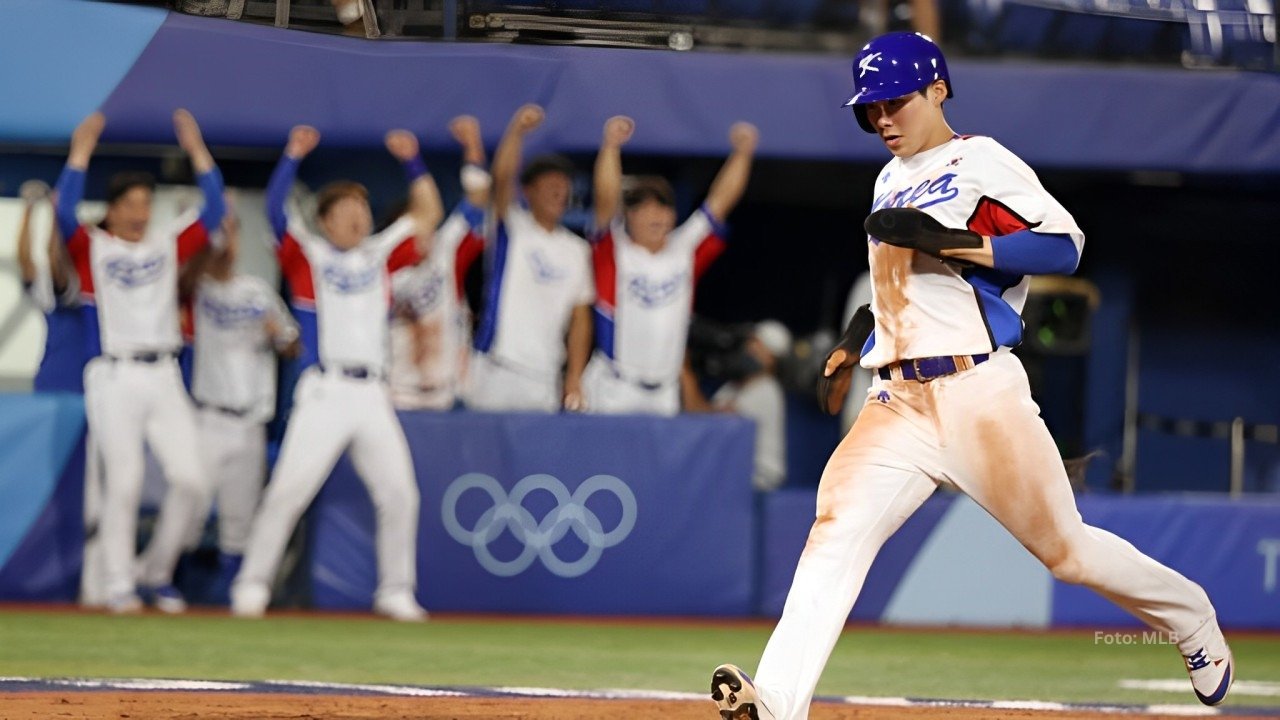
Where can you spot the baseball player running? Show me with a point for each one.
(430, 327)
(128, 270)
(342, 402)
(538, 293)
(645, 270)
(240, 325)
(959, 223)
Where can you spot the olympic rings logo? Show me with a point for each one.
(538, 537)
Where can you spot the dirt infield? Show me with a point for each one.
(237, 706)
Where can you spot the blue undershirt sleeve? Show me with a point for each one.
(1027, 252)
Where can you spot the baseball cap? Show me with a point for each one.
(775, 337)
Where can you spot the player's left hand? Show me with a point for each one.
(837, 376)
(911, 228)
(402, 144)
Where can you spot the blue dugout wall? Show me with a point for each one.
(648, 516)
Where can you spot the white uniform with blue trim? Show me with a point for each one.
(643, 303)
(234, 386)
(928, 308)
(134, 391)
(341, 404)
(536, 279)
(973, 427)
(431, 323)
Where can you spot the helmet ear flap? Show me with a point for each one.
(860, 112)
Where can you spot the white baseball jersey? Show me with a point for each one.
(430, 295)
(536, 278)
(925, 307)
(349, 292)
(644, 299)
(135, 284)
(235, 365)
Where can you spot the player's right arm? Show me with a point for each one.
(731, 182)
(607, 180)
(302, 140)
(477, 183)
(506, 161)
(70, 187)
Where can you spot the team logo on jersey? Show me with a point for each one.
(927, 194)
(425, 294)
(656, 293)
(127, 273)
(544, 271)
(350, 281)
(865, 66)
(230, 314)
(504, 514)
(955, 161)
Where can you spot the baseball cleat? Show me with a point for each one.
(127, 603)
(249, 600)
(735, 695)
(1211, 674)
(400, 606)
(165, 598)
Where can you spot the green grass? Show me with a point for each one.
(586, 655)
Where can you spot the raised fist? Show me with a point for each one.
(743, 137)
(89, 130)
(188, 132)
(618, 130)
(402, 144)
(465, 129)
(527, 118)
(33, 191)
(302, 140)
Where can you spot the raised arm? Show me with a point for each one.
(70, 187)
(31, 192)
(208, 177)
(506, 161)
(607, 183)
(476, 181)
(302, 140)
(425, 206)
(731, 181)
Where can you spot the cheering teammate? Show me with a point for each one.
(538, 295)
(645, 270)
(128, 271)
(342, 403)
(958, 224)
(431, 323)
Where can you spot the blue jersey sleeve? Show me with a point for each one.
(70, 189)
(278, 193)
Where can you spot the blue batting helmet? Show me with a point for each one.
(893, 65)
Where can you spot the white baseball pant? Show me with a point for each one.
(497, 386)
(610, 394)
(333, 413)
(978, 431)
(234, 452)
(129, 403)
